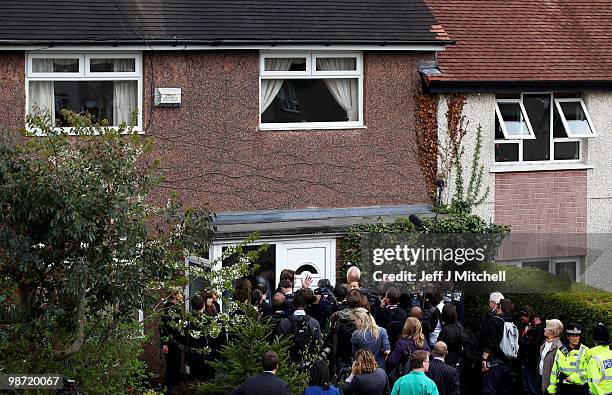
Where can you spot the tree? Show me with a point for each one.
(79, 240)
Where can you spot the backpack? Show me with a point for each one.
(302, 335)
(467, 349)
(403, 368)
(431, 317)
(509, 343)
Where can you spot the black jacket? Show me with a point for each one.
(263, 384)
(169, 331)
(492, 337)
(446, 377)
(451, 335)
(389, 314)
(530, 341)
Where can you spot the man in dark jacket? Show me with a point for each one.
(496, 367)
(532, 337)
(266, 383)
(172, 339)
(391, 311)
(445, 376)
(305, 329)
(196, 342)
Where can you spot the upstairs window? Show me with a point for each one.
(311, 90)
(539, 127)
(106, 86)
(575, 118)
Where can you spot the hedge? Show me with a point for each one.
(550, 296)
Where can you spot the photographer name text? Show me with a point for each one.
(440, 275)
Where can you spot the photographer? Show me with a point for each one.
(325, 304)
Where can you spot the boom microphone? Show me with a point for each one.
(416, 221)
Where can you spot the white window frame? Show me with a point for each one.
(85, 75)
(502, 123)
(39, 75)
(312, 73)
(113, 75)
(553, 140)
(568, 131)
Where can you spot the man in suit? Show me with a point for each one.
(445, 376)
(266, 383)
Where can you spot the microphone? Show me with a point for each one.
(416, 221)
(439, 183)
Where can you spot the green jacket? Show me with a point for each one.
(572, 363)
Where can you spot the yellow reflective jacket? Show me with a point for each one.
(572, 363)
(599, 371)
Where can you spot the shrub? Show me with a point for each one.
(109, 361)
(576, 302)
(250, 337)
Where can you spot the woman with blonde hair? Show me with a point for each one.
(412, 339)
(548, 350)
(370, 336)
(366, 377)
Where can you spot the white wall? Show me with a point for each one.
(599, 153)
(479, 109)
(599, 191)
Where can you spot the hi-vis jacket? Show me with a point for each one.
(599, 370)
(571, 362)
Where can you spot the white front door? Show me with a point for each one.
(315, 258)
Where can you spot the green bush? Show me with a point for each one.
(250, 337)
(351, 243)
(453, 223)
(580, 304)
(109, 362)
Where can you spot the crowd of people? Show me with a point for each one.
(405, 344)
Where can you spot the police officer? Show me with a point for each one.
(599, 369)
(568, 371)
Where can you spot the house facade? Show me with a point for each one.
(539, 84)
(293, 119)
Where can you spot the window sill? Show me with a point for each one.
(304, 128)
(69, 132)
(522, 167)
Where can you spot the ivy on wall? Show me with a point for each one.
(427, 138)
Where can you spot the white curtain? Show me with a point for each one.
(270, 88)
(42, 93)
(125, 96)
(345, 91)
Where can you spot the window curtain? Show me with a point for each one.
(42, 93)
(270, 88)
(345, 91)
(124, 95)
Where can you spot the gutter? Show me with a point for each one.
(441, 86)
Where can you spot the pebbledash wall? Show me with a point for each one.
(211, 150)
(558, 200)
(12, 90)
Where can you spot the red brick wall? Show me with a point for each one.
(12, 90)
(544, 201)
(211, 150)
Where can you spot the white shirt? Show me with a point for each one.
(433, 336)
(547, 347)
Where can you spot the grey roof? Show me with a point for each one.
(222, 22)
(308, 222)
